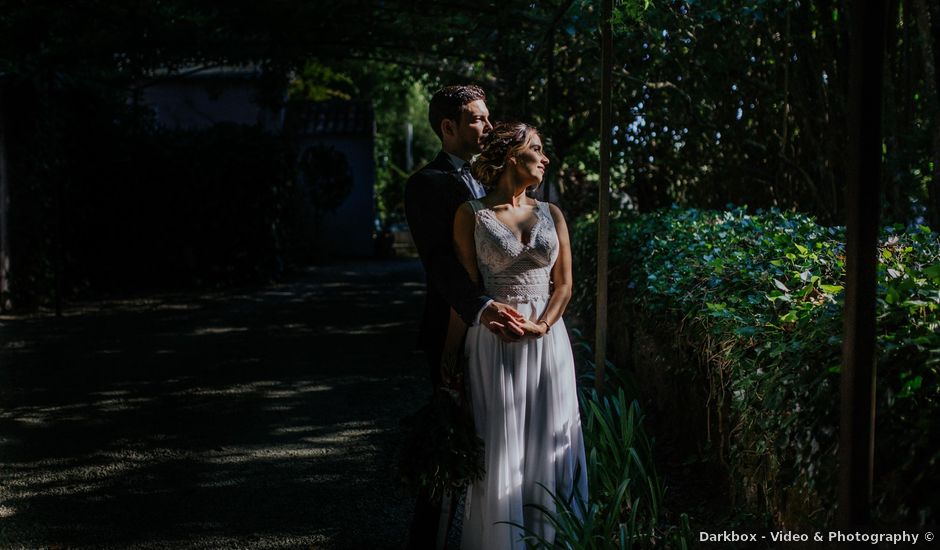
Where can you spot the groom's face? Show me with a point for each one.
(474, 123)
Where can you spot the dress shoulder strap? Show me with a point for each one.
(544, 209)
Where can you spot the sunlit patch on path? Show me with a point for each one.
(254, 418)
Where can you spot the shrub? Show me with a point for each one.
(625, 506)
(758, 299)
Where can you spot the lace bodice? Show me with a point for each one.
(513, 270)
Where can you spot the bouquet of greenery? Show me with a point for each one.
(441, 450)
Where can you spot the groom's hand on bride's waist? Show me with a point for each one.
(503, 321)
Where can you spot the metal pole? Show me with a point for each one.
(603, 192)
(857, 425)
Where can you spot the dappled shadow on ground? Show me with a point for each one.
(260, 418)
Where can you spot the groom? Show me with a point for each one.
(459, 117)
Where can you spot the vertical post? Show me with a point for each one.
(603, 192)
(4, 212)
(409, 144)
(857, 425)
(50, 126)
(552, 174)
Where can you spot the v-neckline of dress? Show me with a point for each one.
(538, 219)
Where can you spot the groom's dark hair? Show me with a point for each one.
(447, 102)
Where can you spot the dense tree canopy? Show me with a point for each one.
(715, 101)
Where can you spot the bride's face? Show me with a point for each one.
(530, 161)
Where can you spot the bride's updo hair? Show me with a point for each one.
(502, 142)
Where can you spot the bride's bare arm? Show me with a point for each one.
(456, 328)
(562, 282)
(466, 255)
(463, 241)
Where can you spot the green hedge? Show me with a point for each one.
(758, 299)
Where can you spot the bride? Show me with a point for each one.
(522, 393)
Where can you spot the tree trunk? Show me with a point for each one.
(603, 206)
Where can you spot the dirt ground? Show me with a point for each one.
(252, 418)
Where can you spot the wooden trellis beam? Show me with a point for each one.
(857, 423)
(603, 196)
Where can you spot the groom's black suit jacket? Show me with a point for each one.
(432, 196)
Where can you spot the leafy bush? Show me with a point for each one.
(624, 509)
(758, 298)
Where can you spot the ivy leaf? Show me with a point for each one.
(781, 286)
(910, 387)
(933, 271)
(892, 295)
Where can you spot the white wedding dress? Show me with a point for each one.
(523, 394)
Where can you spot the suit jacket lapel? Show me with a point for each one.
(461, 191)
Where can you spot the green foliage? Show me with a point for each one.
(317, 82)
(624, 509)
(718, 100)
(759, 299)
(400, 100)
(627, 12)
(724, 99)
(399, 96)
(714, 100)
(441, 451)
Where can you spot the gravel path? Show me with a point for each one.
(243, 419)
